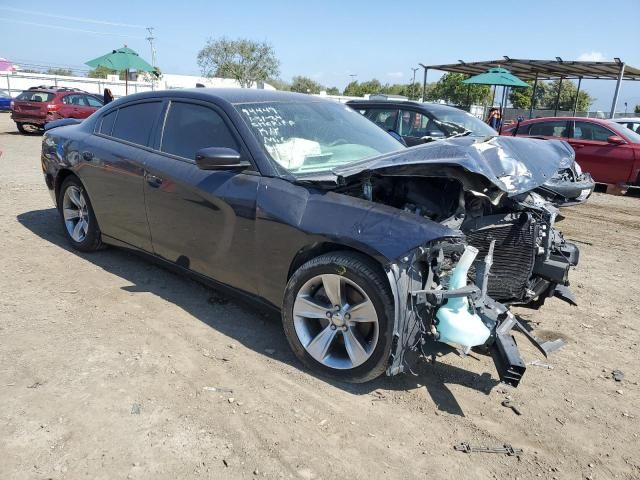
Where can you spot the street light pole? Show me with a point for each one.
(413, 82)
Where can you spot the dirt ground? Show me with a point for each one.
(107, 364)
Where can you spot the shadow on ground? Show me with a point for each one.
(203, 303)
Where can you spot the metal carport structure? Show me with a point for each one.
(546, 70)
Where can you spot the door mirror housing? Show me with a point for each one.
(220, 158)
(616, 140)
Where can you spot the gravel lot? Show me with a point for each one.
(107, 364)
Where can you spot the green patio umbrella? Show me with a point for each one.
(123, 59)
(497, 76)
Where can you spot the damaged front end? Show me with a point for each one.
(488, 192)
(434, 302)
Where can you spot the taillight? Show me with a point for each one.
(52, 107)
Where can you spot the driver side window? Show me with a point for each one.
(190, 127)
(590, 131)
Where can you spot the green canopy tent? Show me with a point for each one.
(123, 59)
(497, 76)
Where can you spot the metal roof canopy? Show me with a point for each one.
(547, 70)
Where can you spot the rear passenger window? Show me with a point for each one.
(106, 125)
(190, 127)
(384, 118)
(134, 123)
(556, 128)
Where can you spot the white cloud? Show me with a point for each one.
(395, 74)
(592, 57)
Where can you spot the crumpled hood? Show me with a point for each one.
(515, 165)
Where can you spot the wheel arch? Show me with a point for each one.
(61, 176)
(314, 250)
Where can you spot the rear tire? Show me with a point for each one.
(21, 128)
(76, 213)
(345, 334)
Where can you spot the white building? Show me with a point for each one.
(16, 82)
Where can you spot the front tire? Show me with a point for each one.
(78, 220)
(338, 316)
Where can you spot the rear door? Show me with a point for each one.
(113, 170)
(71, 106)
(607, 162)
(201, 220)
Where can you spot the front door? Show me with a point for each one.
(202, 220)
(607, 162)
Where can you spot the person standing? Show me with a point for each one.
(494, 120)
(108, 96)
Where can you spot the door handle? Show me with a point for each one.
(88, 156)
(153, 181)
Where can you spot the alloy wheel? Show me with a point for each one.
(336, 321)
(76, 213)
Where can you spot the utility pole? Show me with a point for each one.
(151, 38)
(413, 82)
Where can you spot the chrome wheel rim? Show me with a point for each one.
(76, 213)
(336, 321)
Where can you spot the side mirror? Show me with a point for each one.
(220, 158)
(616, 140)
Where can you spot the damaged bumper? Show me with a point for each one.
(564, 192)
(459, 314)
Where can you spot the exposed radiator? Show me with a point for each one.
(513, 257)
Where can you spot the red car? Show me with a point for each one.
(34, 108)
(607, 150)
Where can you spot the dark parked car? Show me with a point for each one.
(34, 108)
(608, 150)
(419, 123)
(306, 206)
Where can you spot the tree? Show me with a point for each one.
(521, 97)
(333, 91)
(279, 84)
(305, 85)
(567, 96)
(246, 61)
(451, 89)
(100, 72)
(637, 109)
(63, 72)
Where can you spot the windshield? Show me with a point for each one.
(453, 117)
(35, 96)
(314, 136)
(630, 135)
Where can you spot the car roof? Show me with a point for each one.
(54, 89)
(626, 119)
(604, 121)
(231, 95)
(429, 107)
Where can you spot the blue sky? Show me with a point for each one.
(330, 40)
